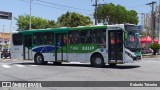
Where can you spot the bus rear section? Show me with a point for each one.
(16, 46)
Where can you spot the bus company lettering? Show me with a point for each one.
(75, 48)
(88, 48)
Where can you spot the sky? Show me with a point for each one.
(52, 9)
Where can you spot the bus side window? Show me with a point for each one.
(64, 40)
(74, 37)
(86, 37)
(83, 37)
(69, 38)
(17, 39)
(99, 36)
(38, 38)
(48, 38)
(35, 40)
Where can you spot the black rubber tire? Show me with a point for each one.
(39, 59)
(57, 63)
(97, 61)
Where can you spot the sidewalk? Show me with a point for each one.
(151, 56)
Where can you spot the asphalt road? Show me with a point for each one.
(148, 69)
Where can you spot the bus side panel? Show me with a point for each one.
(47, 56)
(77, 57)
(70, 57)
(81, 57)
(126, 56)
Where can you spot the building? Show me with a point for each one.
(6, 39)
(146, 19)
(157, 19)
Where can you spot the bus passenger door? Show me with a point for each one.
(27, 44)
(61, 46)
(115, 46)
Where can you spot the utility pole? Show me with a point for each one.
(96, 5)
(30, 21)
(159, 23)
(3, 38)
(152, 20)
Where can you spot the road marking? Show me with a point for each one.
(14, 60)
(34, 65)
(4, 60)
(6, 66)
(74, 62)
(20, 65)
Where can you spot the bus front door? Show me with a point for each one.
(27, 44)
(115, 46)
(61, 44)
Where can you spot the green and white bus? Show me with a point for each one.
(97, 45)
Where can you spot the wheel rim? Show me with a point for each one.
(39, 59)
(98, 60)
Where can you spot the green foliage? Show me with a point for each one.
(37, 22)
(72, 19)
(155, 47)
(52, 24)
(117, 14)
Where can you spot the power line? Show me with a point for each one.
(45, 5)
(64, 9)
(62, 5)
(138, 6)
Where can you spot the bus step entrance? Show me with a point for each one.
(115, 61)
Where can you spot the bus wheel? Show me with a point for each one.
(97, 61)
(38, 59)
(57, 63)
(112, 65)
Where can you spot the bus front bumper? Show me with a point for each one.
(136, 58)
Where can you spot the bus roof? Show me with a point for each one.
(88, 27)
(74, 28)
(43, 30)
(63, 29)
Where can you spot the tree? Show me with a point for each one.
(155, 48)
(37, 22)
(72, 19)
(116, 14)
(52, 24)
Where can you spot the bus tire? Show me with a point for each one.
(39, 59)
(97, 61)
(57, 63)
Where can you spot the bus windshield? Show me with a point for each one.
(132, 41)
